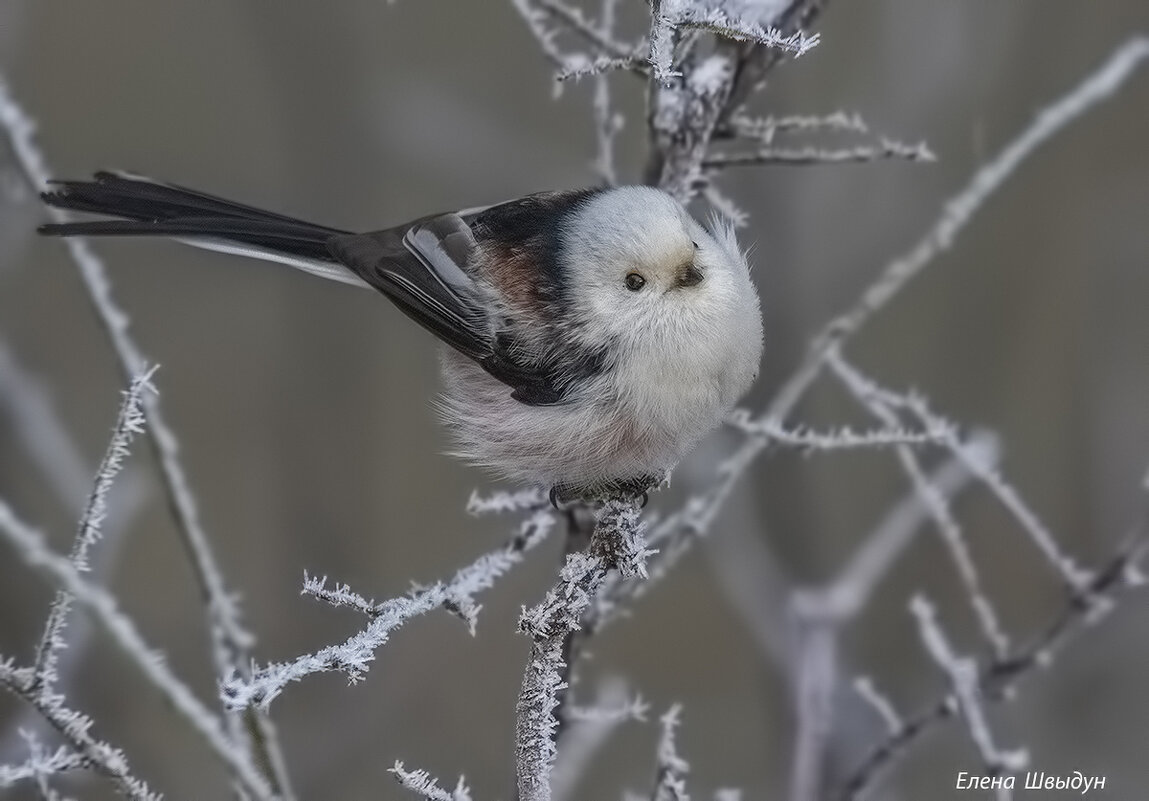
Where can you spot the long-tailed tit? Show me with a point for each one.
(595, 336)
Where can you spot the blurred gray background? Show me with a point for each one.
(305, 407)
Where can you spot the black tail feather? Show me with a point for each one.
(148, 208)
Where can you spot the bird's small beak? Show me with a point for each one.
(690, 275)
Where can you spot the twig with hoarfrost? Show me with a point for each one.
(230, 640)
(886, 149)
(880, 402)
(64, 468)
(503, 502)
(668, 16)
(40, 763)
(423, 783)
(764, 129)
(103, 608)
(997, 677)
(882, 706)
(37, 425)
(617, 544)
(75, 727)
(963, 676)
(1069, 571)
(844, 438)
(671, 769)
(129, 423)
(355, 655)
(600, 37)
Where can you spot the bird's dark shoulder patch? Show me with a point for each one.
(522, 240)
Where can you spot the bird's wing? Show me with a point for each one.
(426, 269)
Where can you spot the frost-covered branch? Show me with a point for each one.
(102, 607)
(963, 676)
(40, 763)
(881, 403)
(671, 769)
(997, 677)
(886, 149)
(617, 544)
(423, 783)
(844, 438)
(129, 423)
(764, 129)
(670, 16)
(355, 655)
(230, 640)
(74, 726)
(503, 502)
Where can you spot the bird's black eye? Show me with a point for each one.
(635, 282)
(695, 245)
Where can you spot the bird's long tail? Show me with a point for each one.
(149, 208)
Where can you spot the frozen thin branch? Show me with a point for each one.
(502, 502)
(1068, 570)
(599, 36)
(104, 610)
(844, 438)
(880, 402)
(338, 595)
(229, 639)
(671, 769)
(36, 423)
(887, 149)
(616, 544)
(41, 763)
(355, 655)
(74, 726)
(997, 677)
(668, 16)
(129, 423)
(879, 703)
(763, 129)
(963, 675)
(423, 783)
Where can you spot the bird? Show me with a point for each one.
(591, 337)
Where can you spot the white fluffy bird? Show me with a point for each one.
(594, 336)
